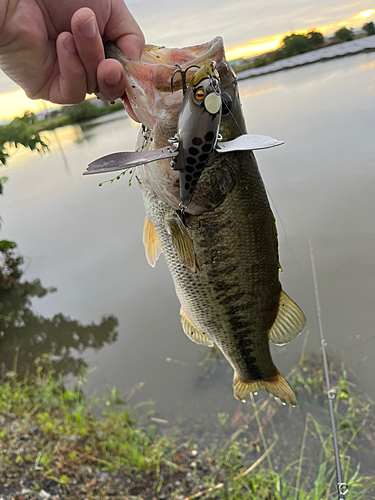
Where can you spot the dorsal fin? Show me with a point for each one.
(151, 242)
(192, 332)
(289, 322)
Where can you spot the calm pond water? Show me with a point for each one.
(86, 241)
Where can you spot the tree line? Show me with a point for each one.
(293, 45)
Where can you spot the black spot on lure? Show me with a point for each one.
(197, 127)
(192, 149)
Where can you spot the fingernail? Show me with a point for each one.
(113, 80)
(88, 28)
(69, 45)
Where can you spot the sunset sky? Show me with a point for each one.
(249, 27)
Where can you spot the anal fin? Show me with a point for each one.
(278, 386)
(289, 322)
(192, 332)
(151, 242)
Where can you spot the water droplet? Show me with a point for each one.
(284, 404)
(276, 398)
(293, 406)
(255, 394)
(243, 400)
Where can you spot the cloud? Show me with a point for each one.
(176, 24)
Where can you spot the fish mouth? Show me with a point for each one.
(128, 107)
(148, 95)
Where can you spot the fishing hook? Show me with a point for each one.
(183, 76)
(183, 218)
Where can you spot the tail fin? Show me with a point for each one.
(277, 386)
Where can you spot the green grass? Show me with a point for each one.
(71, 431)
(310, 472)
(67, 431)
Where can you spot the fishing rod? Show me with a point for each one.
(342, 488)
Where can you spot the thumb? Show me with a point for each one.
(123, 29)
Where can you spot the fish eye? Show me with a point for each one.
(227, 103)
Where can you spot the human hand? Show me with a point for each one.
(54, 50)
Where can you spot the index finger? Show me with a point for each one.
(88, 42)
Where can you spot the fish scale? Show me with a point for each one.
(220, 244)
(206, 296)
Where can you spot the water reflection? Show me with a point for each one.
(26, 336)
(321, 182)
(67, 135)
(96, 122)
(64, 137)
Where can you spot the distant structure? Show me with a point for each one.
(47, 113)
(237, 62)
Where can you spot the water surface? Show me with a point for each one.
(86, 240)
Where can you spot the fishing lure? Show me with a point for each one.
(197, 140)
(197, 128)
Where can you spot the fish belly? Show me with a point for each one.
(233, 296)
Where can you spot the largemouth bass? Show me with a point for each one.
(223, 252)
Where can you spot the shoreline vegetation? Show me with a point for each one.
(322, 54)
(26, 130)
(57, 443)
(76, 113)
(312, 41)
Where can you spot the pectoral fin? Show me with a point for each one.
(193, 333)
(151, 242)
(289, 322)
(182, 243)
